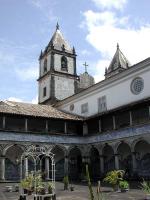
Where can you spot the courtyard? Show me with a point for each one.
(80, 193)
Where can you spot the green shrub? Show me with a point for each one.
(66, 182)
(145, 186)
(123, 185)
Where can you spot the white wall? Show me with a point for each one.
(117, 93)
(57, 64)
(64, 87)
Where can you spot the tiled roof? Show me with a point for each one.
(35, 110)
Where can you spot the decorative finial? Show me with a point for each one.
(73, 50)
(105, 70)
(85, 67)
(41, 54)
(117, 45)
(57, 26)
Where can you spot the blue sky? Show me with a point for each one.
(93, 26)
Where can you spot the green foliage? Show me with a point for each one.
(89, 183)
(66, 182)
(114, 177)
(123, 185)
(50, 187)
(28, 182)
(145, 185)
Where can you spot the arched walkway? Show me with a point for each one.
(12, 162)
(75, 164)
(94, 164)
(109, 161)
(125, 158)
(142, 155)
(59, 156)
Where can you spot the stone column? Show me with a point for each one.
(102, 164)
(131, 121)
(47, 168)
(4, 122)
(134, 163)
(46, 127)
(66, 166)
(26, 125)
(2, 168)
(65, 127)
(26, 166)
(85, 128)
(116, 161)
(100, 126)
(114, 123)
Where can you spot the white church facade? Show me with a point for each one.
(106, 124)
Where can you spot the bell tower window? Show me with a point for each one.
(45, 65)
(64, 63)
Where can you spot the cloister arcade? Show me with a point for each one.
(133, 156)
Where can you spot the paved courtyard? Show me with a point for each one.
(80, 193)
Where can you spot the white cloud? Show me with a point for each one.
(106, 29)
(27, 72)
(35, 100)
(117, 4)
(15, 99)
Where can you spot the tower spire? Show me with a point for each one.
(85, 65)
(117, 45)
(57, 26)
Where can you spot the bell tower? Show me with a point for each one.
(57, 70)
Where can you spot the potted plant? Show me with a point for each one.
(124, 186)
(41, 190)
(146, 188)
(114, 177)
(50, 187)
(66, 182)
(27, 184)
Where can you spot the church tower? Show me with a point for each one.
(57, 75)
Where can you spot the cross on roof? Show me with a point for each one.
(85, 66)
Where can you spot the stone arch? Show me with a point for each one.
(125, 157)
(59, 157)
(136, 141)
(109, 160)
(142, 156)
(94, 163)
(75, 163)
(12, 161)
(22, 147)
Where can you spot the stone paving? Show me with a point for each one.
(80, 193)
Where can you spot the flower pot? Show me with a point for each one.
(147, 197)
(124, 189)
(71, 188)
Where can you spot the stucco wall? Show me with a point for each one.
(44, 83)
(117, 93)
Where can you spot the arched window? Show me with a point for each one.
(64, 65)
(45, 65)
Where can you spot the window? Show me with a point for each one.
(102, 105)
(137, 85)
(64, 63)
(44, 91)
(45, 65)
(84, 108)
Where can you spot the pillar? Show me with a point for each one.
(114, 123)
(134, 163)
(116, 161)
(47, 168)
(26, 166)
(4, 122)
(46, 128)
(102, 164)
(65, 127)
(131, 121)
(99, 126)
(2, 168)
(85, 128)
(26, 125)
(66, 166)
